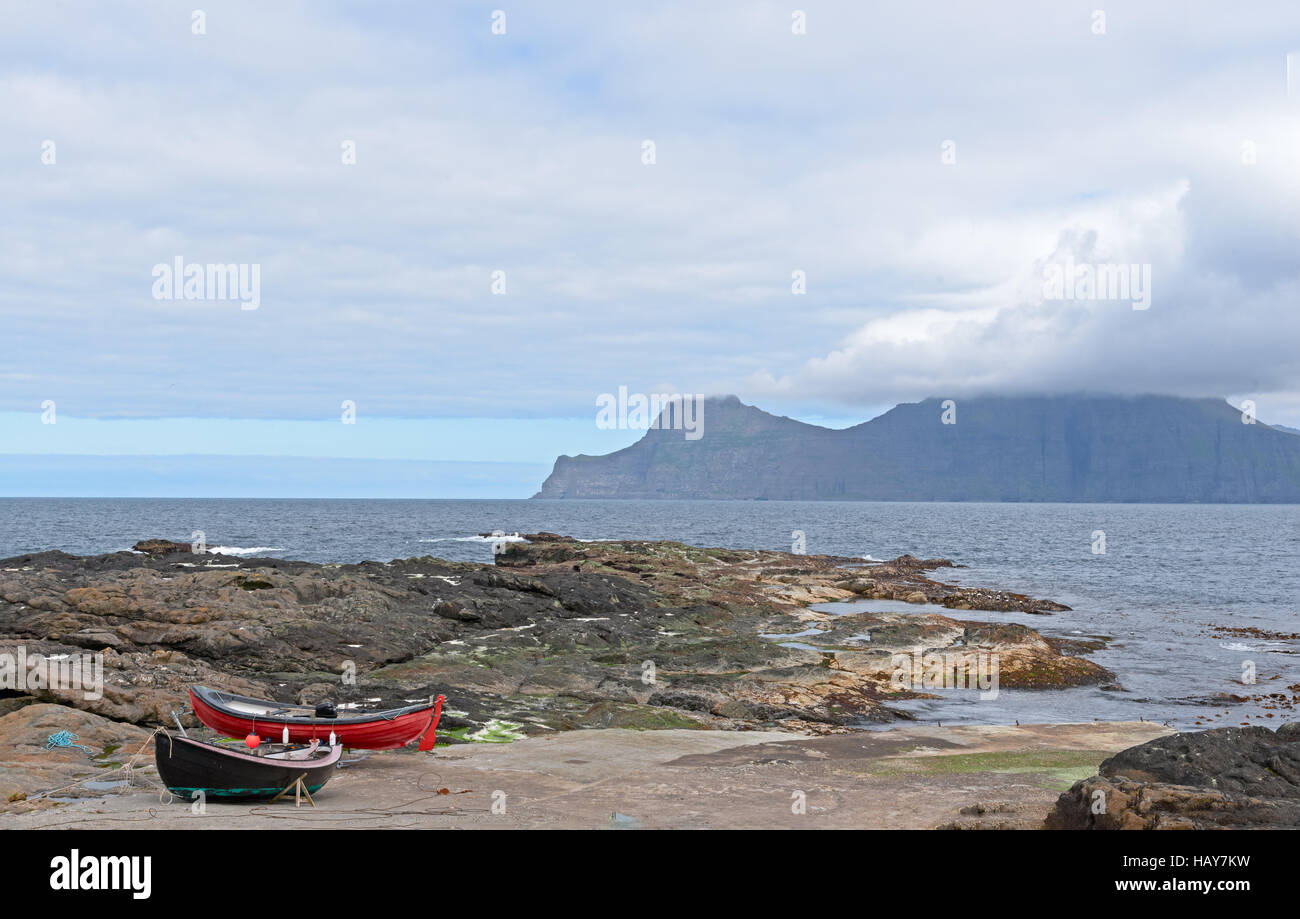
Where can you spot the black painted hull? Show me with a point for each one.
(188, 767)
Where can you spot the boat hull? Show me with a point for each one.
(189, 767)
(381, 731)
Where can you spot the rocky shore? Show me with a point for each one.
(645, 633)
(561, 634)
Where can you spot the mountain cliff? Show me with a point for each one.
(1037, 448)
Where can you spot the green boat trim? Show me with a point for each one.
(237, 792)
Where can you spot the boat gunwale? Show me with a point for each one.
(330, 758)
(218, 700)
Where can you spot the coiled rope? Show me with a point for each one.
(127, 774)
(66, 739)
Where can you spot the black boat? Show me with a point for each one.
(189, 766)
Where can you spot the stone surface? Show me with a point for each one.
(1224, 778)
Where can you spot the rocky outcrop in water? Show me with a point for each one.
(1228, 778)
(157, 547)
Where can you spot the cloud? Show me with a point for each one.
(521, 153)
(1219, 319)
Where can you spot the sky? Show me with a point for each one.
(469, 223)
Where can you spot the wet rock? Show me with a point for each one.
(157, 547)
(1027, 660)
(911, 561)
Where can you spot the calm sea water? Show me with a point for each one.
(1168, 574)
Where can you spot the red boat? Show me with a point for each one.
(239, 716)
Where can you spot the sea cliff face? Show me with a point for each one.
(1041, 448)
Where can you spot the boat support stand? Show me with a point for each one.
(299, 792)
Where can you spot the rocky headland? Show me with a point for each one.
(1075, 448)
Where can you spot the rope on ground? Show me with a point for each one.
(371, 813)
(80, 822)
(127, 774)
(66, 739)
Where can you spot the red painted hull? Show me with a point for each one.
(379, 734)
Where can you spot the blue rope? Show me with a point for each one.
(66, 739)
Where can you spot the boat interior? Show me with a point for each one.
(266, 711)
(279, 751)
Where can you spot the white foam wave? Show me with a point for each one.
(510, 537)
(1238, 646)
(237, 550)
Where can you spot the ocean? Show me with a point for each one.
(1168, 575)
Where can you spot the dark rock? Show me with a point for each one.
(507, 581)
(686, 701)
(911, 561)
(157, 547)
(1223, 778)
(317, 692)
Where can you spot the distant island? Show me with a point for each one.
(1070, 448)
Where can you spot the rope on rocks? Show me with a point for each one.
(66, 739)
(127, 775)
